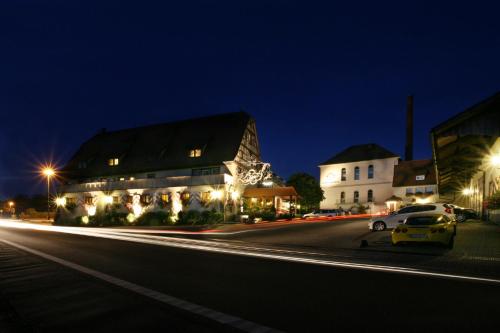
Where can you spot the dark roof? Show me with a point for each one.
(286, 191)
(486, 105)
(406, 172)
(366, 152)
(161, 147)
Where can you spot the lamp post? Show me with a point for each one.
(48, 172)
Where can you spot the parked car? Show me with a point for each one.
(323, 213)
(429, 228)
(464, 214)
(394, 219)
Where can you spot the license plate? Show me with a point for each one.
(418, 235)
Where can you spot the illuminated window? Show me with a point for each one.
(195, 152)
(370, 171)
(205, 197)
(165, 198)
(342, 197)
(356, 196)
(113, 161)
(370, 196)
(356, 173)
(146, 199)
(343, 174)
(89, 200)
(70, 201)
(185, 196)
(116, 199)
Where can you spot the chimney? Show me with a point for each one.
(409, 129)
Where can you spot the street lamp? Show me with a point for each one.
(48, 172)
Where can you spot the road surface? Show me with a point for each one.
(267, 289)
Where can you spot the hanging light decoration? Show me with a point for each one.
(255, 172)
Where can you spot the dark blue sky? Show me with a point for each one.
(317, 76)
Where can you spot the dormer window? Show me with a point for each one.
(113, 161)
(195, 152)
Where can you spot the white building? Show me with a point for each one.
(359, 175)
(178, 166)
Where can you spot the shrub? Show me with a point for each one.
(153, 219)
(494, 201)
(190, 217)
(285, 216)
(212, 217)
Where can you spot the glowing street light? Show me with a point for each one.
(48, 172)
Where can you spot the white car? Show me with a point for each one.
(395, 218)
(322, 213)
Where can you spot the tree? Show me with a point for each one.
(308, 189)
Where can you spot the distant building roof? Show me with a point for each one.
(160, 147)
(414, 173)
(267, 192)
(366, 152)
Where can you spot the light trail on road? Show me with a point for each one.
(242, 250)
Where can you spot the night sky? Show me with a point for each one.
(317, 76)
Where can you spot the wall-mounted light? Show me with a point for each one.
(495, 160)
(216, 195)
(108, 199)
(61, 202)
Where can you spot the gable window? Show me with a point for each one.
(113, 161)
(370, 196)
(356, 196)
(343, 174)
(370, 171)
(195, 152)
(342, 197)
(356, 173)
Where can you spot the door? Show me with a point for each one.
(399, 217)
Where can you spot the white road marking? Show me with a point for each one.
(242, 251)
(222, 318)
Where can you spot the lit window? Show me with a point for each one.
(165, 198)
(343, 174)
(195, 153)
(356, 196)
(370, 196)
(370, 171)
(116, 199)
(89, 200)
(356, 173)
(70, 201)
(342, 197)
(113, 161)
(205, 197)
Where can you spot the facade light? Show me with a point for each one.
(61, 202)
(216, 195)
(495, 160)
(108, 199)
(235, 195)
(467, 191)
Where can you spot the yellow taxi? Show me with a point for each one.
(429, 228)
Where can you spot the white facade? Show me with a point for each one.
(380, 184)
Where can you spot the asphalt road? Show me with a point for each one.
(289, 296)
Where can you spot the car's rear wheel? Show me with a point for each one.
(379, 226)
(461, 218)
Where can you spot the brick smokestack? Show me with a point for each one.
(409, 129)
